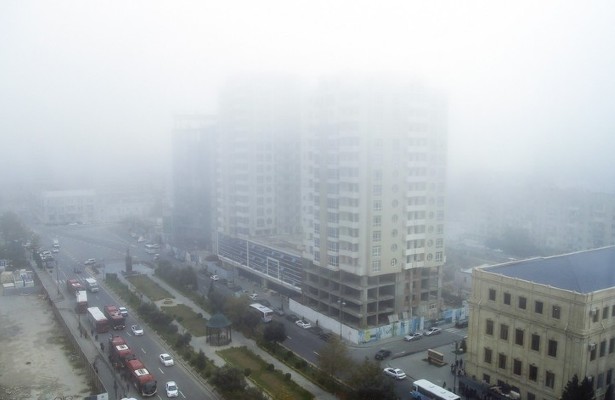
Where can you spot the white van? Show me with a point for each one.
(91, 284)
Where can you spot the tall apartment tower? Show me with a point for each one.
(194, 165)
(374, 200)
(258, 184)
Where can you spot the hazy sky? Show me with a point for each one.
(531, 87)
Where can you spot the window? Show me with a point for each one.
(519, 336)
(377, 205)
(393, 262)
(613, 311)
(376, 236)
(375, 251)
(522, 302)
(492, 294)
(503, 331)
(517, 367)
(603, 348)
(531, 396)
(600, 381)
(377, 220)
(488, 354)
(489, 327)
(609, 376)
(502, 361)
(552, 351)
(592, 353)
(507, 298)
(487, 378)
(611, 345)
(538, 307)
(550, 379)
(533, 373)
(555, 312)
(605, 313)
(375, 265)
(535, 342)
(596, 315)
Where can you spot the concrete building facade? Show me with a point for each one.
(374, 200)
(534, 324)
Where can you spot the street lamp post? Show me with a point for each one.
(455, 370)
(342, 304)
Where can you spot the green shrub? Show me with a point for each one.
(270, 367)
(247, 372)
(287, 376)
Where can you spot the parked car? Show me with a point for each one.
(172, 389)
(90, 261)
(292, 317)
(433, 331)
(413, 336)
(123, 311)
(214, 278)
(395, 373)
(136, 330)
(253, 296)
(303, 324)
(166, 360)
(461, 323)
(279, 312)
(326, 336)
(382, 354)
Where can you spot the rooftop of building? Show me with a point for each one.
(582, 272)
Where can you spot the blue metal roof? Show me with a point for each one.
(582, 272)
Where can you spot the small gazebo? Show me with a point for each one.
(218, 330)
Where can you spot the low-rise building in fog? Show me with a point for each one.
(536, 323)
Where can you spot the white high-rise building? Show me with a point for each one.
(373, 200)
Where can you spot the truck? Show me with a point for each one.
(99, 322)
(73, 286)
(82, 302)
(115, 317)
(144, 382)
(119, 352)
(91, 285)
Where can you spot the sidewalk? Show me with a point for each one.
(238, 341)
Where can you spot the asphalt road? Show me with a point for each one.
(78, 243)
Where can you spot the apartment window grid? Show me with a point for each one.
(376, 266)
(611, 345)
(605, 313)
(504, 332)
(376, 236)
(535, 345)
(522, 303)
(556, 312)
(488, 354)
(519, 336)
(492, 294)
(609, 376)
(538, 305)
(533, 373)
(552, 348)
(603, 348)
(550, 379)
(517, 366)
(502, 361)
(489, 327)
(507, 298)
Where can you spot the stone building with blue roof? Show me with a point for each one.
(536, 323)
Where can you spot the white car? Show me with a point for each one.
(254, 296)
(395, 373)
(136, 330)
(303, 324)
(172, 389)
(166, 360)
(413, 336)
(123, 311)
(90, 261)
(433, 331)
(215, 278)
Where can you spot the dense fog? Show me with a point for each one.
(88, 91)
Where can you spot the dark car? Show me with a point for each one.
(326, 336)
(292, 317)
(382, 354)
(279, 312)
(265, 302)
(461, 323)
